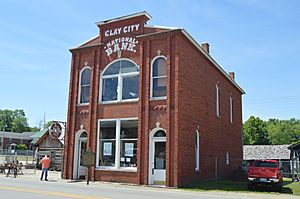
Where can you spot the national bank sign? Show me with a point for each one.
(121, 43)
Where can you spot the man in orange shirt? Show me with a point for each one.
(45, 166)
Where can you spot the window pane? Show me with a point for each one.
(107, 130)
(85, 94)
(129, 129)
(83, 147)
(160, 133)
(128, 151)
(130, 87)
(110, 87)
(85, 77)
(160, 155)
(113, 69)
(107, 152)
(127, 67)
(159, 87)
(159, 67)
(83, 135)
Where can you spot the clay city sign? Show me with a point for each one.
(121, 43)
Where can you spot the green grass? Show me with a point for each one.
(241, 186)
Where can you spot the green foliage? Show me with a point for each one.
(255, 131)
(13, 121)
(48, 124)
(22, 147)
(274, 131)
(284, 131)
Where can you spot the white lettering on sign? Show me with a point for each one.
(118, 31)
(123, 43)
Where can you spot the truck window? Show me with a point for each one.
(265, 164)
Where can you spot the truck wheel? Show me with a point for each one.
(278, 186)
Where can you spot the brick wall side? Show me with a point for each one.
(197, 106)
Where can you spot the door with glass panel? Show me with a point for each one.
(158, 159)
(82, 146)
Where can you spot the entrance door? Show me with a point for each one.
(82, 146)
(158, 159)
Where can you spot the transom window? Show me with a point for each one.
(120, 82)
(117, 145)
(84, 88)
(159, 78)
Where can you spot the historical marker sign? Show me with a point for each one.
(89, 158)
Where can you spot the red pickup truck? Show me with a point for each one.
(265, 172)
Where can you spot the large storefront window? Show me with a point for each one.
(117, 145)
(120, 82)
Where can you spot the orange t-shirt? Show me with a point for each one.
(45, 162)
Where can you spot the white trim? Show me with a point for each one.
(212, 60)
(120, 82)
(79, 85)
(151, 149)
(76, 152)
(117, 149)
(85, 42)
(124, 17)
(151, 78)
(162, 27)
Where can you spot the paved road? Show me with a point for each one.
(32, 188)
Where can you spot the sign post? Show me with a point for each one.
(88, 161)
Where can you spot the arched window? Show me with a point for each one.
(120, 82)
(197, 151)
(84, 88)
(83, 135)
(218, 100)
(160, 133)
(159, 78)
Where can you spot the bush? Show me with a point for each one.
(22, 147)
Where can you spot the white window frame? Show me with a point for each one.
(227, 158)
(120, 83)
(79, 87)
(230, 107)
(151, 78)
(218, 100)
(197, 151)
(117, 150)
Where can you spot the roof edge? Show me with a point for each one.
(124, 17)
(211, 59)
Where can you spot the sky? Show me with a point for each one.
(258, 40)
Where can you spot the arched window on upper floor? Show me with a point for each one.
(120, 82)
(158, 78)
(84, 86)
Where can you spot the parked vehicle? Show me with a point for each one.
(265, 173)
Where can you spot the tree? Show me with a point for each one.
(22, 147)
(284, 131)
(254, 131)
(15, 121)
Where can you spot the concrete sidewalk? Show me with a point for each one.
(33, 174)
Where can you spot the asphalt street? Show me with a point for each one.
(32, 188)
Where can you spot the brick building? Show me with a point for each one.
(153, 105)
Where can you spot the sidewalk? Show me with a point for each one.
(32, 174)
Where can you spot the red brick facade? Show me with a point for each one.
(190, 104)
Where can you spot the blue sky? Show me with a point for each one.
(258, 40)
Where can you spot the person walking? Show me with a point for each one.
(45, 166)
